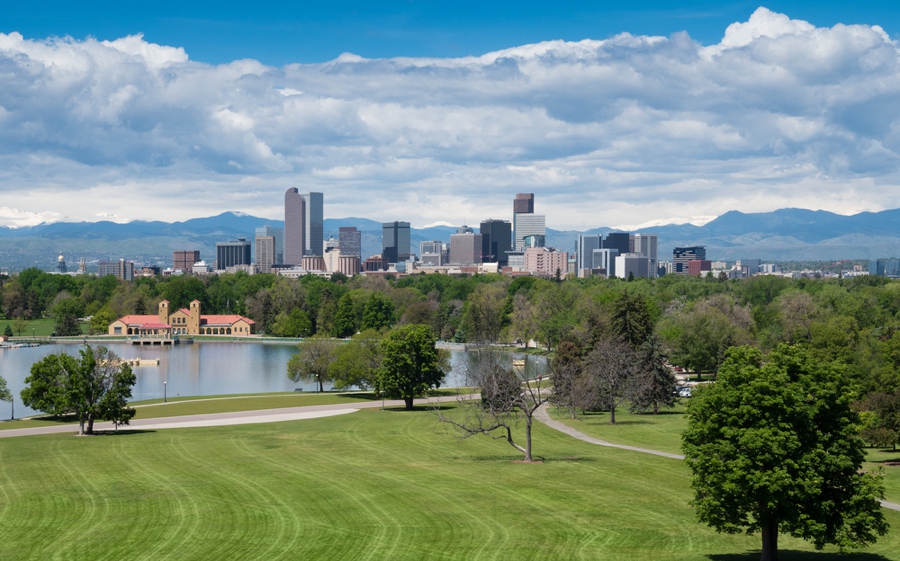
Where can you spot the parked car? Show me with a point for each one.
(683, 391)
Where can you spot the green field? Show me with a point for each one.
(663, 432)
(368, 485)
(36, 328)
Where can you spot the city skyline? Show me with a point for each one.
(763, 111)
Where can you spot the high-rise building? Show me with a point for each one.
(528, 225)
(231, 254)
(265, 253)
(546, 261)
(523, 203)
(120, 269)
(619, 241)
(294, 227)
(496, 240)
(278, 234)
(184, 259)
(395, 241)
(634, 265)
(646, 245)
(681, 256)
(434, 253)
(315, 223)
(604, 262)
(465, 249)
(350, 241)
(584, 253)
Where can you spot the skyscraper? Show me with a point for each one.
(681, 256)
(229, 254)
(496, 239)
(645, 244)
(278, 251)
(395, 241)
(265, 252)
(465, 249)
(184, 259)
(523, 203)
(584, 253)
(294, 227)
(527, 225)
(315, 223)
(349, 241)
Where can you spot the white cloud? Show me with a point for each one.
(629, 130)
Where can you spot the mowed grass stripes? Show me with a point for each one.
(370, 485)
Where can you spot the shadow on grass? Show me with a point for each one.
(122, 432)
(793, 555)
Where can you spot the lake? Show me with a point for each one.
(200, 369)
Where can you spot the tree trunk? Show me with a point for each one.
(409, 403)
(81, 427)
(528, 436)
(90, 427)
(770, 542)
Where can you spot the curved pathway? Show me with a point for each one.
(543, 416)
(232, 418)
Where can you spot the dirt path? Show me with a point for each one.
(543, 416)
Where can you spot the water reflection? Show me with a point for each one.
(204, 369)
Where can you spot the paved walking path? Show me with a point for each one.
(231, 418)
(543, 416)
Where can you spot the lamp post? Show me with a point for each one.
(165, 386)
(317, 383)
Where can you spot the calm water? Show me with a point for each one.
(198, 369)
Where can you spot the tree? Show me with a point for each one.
(5, 394)
(654, 382)
(345, 318)
(378, 313)
(356, 361)
(8, 331)
(66, 312)
(773, 446)
(313, 361)
(96, 386)
(294, 324)
(630, 319)
(20, 324)
(100, 321)
(483, 315)
(567, 371)
(505, 395)
(610, 366)
(411, 363)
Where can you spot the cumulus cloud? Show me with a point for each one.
(620, 132)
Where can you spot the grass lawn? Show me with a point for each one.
(42, 327)
(223, 404)
(663, 432)
(372, 484)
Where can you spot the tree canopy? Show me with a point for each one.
(95, 386)
(411, 363)
(773, 447)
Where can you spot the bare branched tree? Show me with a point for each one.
(611, 366)
(507, 395)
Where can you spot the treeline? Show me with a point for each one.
(853, 321)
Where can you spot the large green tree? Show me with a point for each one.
(313, 361)
(95, 386)
(411, 364)
(773, 447)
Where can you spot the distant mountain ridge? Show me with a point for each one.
(785, 234)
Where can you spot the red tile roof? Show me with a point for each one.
(223, 319)
(138, 319)
(156, 325)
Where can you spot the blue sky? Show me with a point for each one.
(656, 112)
(278, 33)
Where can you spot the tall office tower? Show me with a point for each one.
(465, 249)
(433, 253)
(395, 241)
(682, 255)
(523, 203)
(350, 241)
(120, 269)
(184, 259)
(605, 260)
(229, 254)
(265, 253)
(278, 234)
(527, 225)
(645, 244)
(496, 240)
(584, 253)
(523, 211)
(619, 241)
(634, 265)
(294, 227)
(315, 223)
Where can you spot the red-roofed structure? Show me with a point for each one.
(182, 322)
